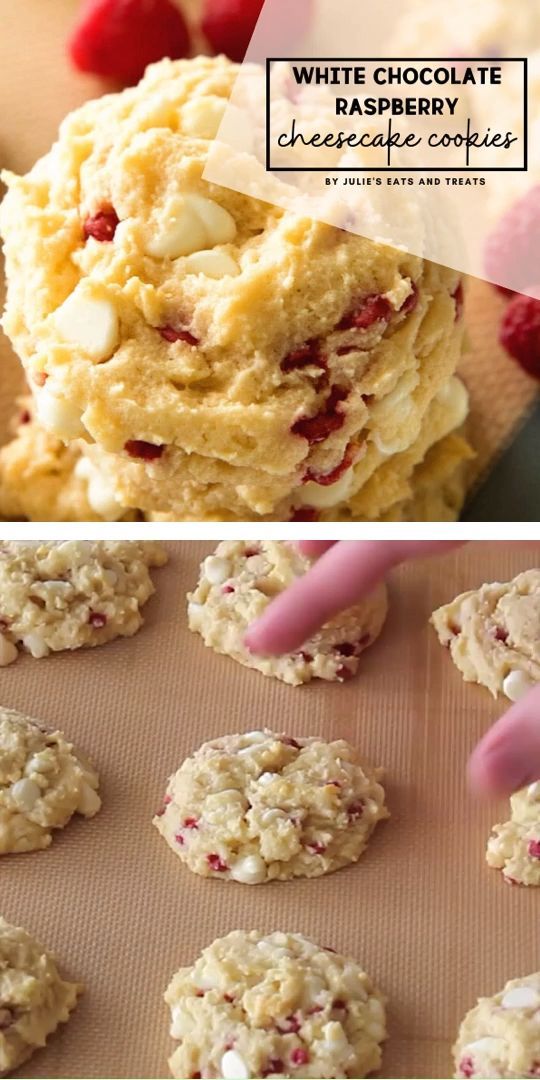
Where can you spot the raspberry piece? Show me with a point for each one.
(229, 24)
(118, 38)
(299, 1056)
(533, 849)
(325, 479)
(346, 648)
(410, 303)
(499, 634)
(97, 619)
(290, 1025)
(308, 355)
(355, 810)
(166, 802)
(273, 1066)
(179, 839)
(216, 863)
(305, 513)
(25, 417)
(459, 300)
(227, 589)
(520, 332)
(191, 823)
(512, 249)
(466, 1067)
(40, 377)
(317, 428)
(339, 1005)
(288, 741)
(372, 309)
(146, 450)
(170, 334)
(316, 848)
(102, 226)
(343, 673)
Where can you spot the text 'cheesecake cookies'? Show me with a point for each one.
(248, 357)
(34, 999)
(514, 847)
(238, 582)
(56, 596)
(262, 807)
(500, 1037)
(42, 784)
(274, 1006)
(493, 634)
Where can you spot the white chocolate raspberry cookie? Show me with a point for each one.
(174, 321)
(514, 847)
(238, 582)
(280, 1006)
(493, 634)
(34, 999)
(42, 784)
(56, 596)
(259, 807)
(500, 1037)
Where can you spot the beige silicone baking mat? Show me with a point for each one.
(431, 923)
(37, 88)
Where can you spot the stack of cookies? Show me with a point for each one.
(196, 354)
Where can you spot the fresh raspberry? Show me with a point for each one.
(372, 309)
(512, 249)
(307, 355)
(356, 810)
(191, 823)
(148, 451)
(102, 225)
(216, 863)
(466, 1067)
(118, 38)
(520, 332)
(290, 1025)
(228, 25)
(533, 849)
(299, 1056)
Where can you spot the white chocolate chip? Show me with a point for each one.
(250, 870)
(266, 778)
(216, 569)
(214, 264)
(195, 615)
(521, 997)
(455, 398)
(190, 223)
(488, 1045)
(202, 117)
(533, 790)
(56, 414)
(89, 322)
(180, 1023)
(40, 763)
(35, 645)
(516, 685)
(233, 1067)
(254, 736)
(26, 793)
(8, 651)
(100, 492)
(335, 1037)
(322, 496)
(89, 801)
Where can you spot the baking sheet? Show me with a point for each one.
(431, 923)
(38, 88)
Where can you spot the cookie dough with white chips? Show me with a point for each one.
(493, 634)
(500, 1037)
(56, 596)
(514, 847)
(238, 582)
(260, 807)
(34, 998)
(43, 782)
(274, 1006)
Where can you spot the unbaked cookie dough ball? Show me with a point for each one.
(34, 999)
(237, 583)
(493, 634)
(43, 783)
(56, 596)
(260, 807)
(514, 847)
(500, 1037)
(274, 1006)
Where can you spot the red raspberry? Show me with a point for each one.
(299, 1056)
(371, 310)
(118, 38)
(216, 863)
(305, 513)
(102, 225)
(170, 334)
(512, 249)
(324, 479)
(229, 24)
(533, 849)
(317, 428)
(520, 332)
(97, 619)
(466, 1067)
